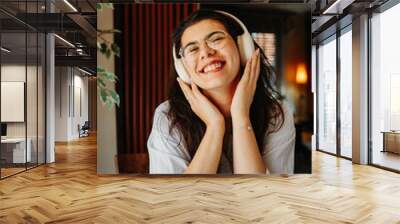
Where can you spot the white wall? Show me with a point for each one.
(12, 73)
(61, 103)
(79, 117)
(33, 126)
(12, 101)
(70, 83)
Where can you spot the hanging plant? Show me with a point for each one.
(107, 95)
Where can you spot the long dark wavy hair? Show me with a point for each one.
(265, 110)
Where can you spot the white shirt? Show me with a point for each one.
(168, 155)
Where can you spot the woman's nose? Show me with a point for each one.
(205, 50)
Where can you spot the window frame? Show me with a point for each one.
(334, 37)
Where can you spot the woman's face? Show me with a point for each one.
(210, 67)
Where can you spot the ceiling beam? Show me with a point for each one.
(82, 61)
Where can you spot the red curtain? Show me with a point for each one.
(144, 67)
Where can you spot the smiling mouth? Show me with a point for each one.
(213, 67)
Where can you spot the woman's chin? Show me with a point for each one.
(215, 84)
(213, 81)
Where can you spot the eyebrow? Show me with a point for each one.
(206, 37)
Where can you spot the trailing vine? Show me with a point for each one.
(107, 95)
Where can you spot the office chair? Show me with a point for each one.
(84, 130)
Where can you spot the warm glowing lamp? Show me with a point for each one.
(301, 74)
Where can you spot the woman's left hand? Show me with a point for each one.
(243, 97)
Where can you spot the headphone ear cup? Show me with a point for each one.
(181, 70)
(246, 47)
(244, 41)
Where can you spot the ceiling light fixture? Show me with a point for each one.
(70, 5)
(337, 7)
(79, 51)
(84, 71)
(65, 41)
(5, 50)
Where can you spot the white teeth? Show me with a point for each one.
(212, 67)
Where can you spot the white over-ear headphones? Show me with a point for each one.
(244, 42)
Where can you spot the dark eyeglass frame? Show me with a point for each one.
(207, 39)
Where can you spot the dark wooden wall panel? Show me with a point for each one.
(144, 67)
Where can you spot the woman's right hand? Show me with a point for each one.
(202, 106)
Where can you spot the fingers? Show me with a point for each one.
(251, 71)
(196, 90)
(246, 72)
(192, 94)
(255, 64)
(256, 69)
(199, 96)
(186, 91)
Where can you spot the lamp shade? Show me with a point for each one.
(301, 74)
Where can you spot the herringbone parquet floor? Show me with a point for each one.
(70, 191)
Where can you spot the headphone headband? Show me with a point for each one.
(244, 42)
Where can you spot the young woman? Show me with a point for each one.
(223, 114)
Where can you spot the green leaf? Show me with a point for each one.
(99, 69)
(101, 6)
(98, 46)
(115, 48)
(108, 53)
(108, 96)
(104, 48)
(101, 82)
(109, 104)
(110, 76)
(103, 94)
(109, 5)
(115, 96)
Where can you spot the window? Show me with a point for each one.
(327, 96)
(22, 75)
(267, 42)
(346, 93)
(385, 88)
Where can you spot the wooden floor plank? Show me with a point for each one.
(70, 191)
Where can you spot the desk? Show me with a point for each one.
(391, 141)
(13, 150)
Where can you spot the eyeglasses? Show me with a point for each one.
(215, 40)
